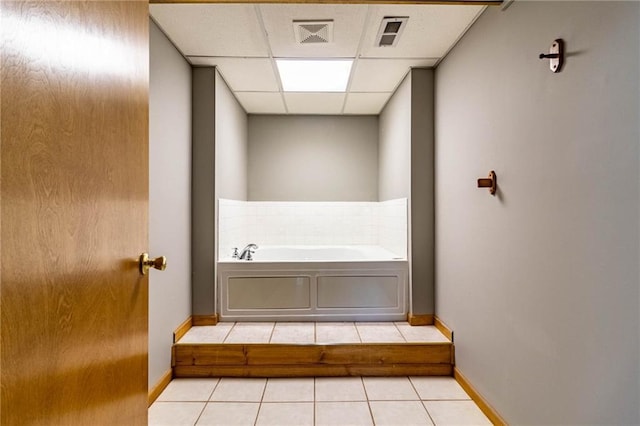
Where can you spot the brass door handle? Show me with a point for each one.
(159, 263)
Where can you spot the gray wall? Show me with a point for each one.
(203, 191)
(169, 196)
(219, 171)
(541, 283)
(231, 144)
(313, 158)
(406, 169)
(422, 192)
(394, 149)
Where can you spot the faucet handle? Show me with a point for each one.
(250, 255)
(235, 253)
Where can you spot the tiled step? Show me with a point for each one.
(426, 356)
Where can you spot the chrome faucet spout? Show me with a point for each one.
(248, 251)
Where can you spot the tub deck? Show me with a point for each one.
(283, 349)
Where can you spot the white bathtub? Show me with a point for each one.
(315, 283)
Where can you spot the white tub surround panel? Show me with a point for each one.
(313, 290)
(313, 223)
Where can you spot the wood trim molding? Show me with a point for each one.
(160, 385)
(447, 2)
(197, 320)
(297, 360)
(482, 403)
(426, 319)
(443, 328)
(182, 329)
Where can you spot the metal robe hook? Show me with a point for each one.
(555, 55)
(490, 182)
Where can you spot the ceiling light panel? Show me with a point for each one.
(314, 75)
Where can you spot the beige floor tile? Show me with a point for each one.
(229, 414)
(239, 390)
(423, 333)
(188, 390)
(289, 390)
(340, 389)
(438, 388)
(379, 332)
(285, 414)
(207, 334)
(455, 413)
(250, 332)
(294, 332)
(174, 413)
(336, 332)
(389, 389)
(399, 413)
(343, 414)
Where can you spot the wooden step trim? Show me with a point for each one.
(313, 370)
(199, 320)
(182, 329)
(440, 325)
(482, 403)
(426, 319)
(160, 386)
(296, 355)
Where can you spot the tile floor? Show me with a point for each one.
(341, 401)
(318, 401)
(310, 333)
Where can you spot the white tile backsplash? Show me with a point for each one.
(312, 223)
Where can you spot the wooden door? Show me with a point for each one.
(73, 211)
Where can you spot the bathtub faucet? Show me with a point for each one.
(247, 252)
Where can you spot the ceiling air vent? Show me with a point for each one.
(390, 30)
(313, 32)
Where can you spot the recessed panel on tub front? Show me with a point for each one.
(268, 293)
(358, 292)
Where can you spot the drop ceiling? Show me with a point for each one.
(243, 41)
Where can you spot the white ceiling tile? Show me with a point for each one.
(383, 75)
(348, 24)
(430, 31)
(261, 102)
(314, 103)
(212, 29)
(365, 103)
(243, 74)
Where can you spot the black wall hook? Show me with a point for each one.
(555, 55)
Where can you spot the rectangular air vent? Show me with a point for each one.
(390, 29)
(313, 32)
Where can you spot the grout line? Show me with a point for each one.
(273, 329)
(201, 412)
(358, 332)
(214, 389)
(428, 413)
(264, 390)
(401, 333)
(229, 332)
